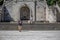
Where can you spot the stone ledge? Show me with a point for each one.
(40, 26)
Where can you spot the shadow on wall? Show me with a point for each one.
(7, 17)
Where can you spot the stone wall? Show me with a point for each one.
(39, 10)
(14, 8)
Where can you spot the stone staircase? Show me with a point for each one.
(8, 26)
(42, 26)
(33, 26)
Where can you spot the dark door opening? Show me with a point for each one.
(24, 13)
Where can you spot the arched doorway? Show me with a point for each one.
(24, 13)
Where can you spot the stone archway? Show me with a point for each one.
(24, 13)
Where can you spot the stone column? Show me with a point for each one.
(44, 13)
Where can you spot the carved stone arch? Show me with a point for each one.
(24, 12)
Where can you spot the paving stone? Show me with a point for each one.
(30, 35)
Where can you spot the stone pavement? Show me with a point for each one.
(29, 35)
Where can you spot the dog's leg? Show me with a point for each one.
(19, 28)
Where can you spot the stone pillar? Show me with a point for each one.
(44, 13)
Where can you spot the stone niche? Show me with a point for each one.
(40, 12)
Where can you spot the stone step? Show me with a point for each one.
(8, 26)
(41, 26)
